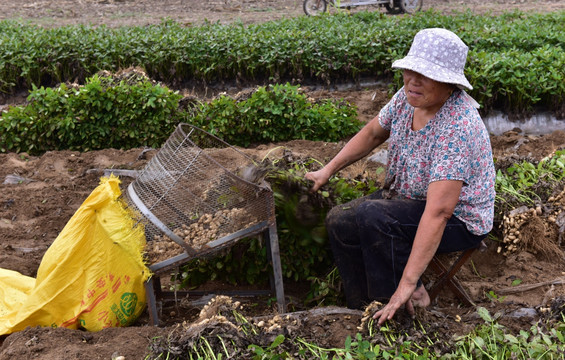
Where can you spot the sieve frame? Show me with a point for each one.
(183, 136)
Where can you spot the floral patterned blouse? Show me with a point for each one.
(454, 145)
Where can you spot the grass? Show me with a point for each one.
(489, 340)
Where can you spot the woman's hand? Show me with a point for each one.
(402, 295)
(418, 298)
(368, 138)
(319, 178)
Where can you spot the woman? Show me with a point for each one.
(439, 188)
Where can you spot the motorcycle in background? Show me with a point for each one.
(316, 7)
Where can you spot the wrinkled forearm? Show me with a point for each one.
(425, 246)
(440, 204)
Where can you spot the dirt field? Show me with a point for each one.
(49, 189)
(193, 12)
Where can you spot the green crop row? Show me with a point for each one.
(516, 61)
(101, 114)
(276, 113)
(123, 114)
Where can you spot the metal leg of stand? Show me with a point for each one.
(275, 257)
(151, 302)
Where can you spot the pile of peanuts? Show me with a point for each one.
(208, 227)
(513, 221)
(511, 224)
(197, 235)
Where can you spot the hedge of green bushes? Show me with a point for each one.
(101, 114)
(276, 113)
(516, 62)
(111, 113)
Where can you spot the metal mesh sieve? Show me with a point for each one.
(190, 196)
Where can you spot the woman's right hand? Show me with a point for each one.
(319, 178)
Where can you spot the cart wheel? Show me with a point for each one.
(314, 7)
(411, 6)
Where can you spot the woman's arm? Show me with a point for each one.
(440, 202)
(368, 138)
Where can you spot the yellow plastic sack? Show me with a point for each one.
(91, 277)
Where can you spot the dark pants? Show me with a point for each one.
(371, 239)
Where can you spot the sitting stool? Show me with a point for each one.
(447, 277)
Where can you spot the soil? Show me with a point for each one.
(190, 12)
(39, 194)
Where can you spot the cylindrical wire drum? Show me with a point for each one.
(190, 194)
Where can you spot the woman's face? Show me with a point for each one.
(425, 93)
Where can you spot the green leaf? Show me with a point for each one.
(484, 314)
(278, 340)
(516, 282)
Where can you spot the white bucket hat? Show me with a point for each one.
(439, 55)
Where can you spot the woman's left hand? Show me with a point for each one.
(402, 295)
